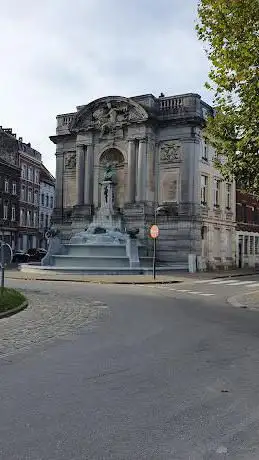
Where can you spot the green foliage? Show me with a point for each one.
(9, 299)
(230, 31)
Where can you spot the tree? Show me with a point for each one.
(230, 32)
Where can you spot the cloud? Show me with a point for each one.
(56, 54)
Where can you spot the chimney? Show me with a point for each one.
(20, 139)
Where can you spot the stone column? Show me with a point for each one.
(88, 175)
(141, 176)
(131, 171)
(80, 153)
(151, 171)
(59, 180)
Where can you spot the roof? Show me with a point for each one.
(46, 176)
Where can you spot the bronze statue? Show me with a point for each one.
(110, 173)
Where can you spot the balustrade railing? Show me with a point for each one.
(64, 120)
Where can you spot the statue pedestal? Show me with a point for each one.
(108, 197)
(107, 216)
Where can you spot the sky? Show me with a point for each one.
(57, 54)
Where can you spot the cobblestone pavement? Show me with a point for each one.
(51, 313)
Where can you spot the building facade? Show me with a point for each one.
(30, 164)
(47, 200)
(9, 188)
(247, 230)
(157, 149)
(218, 211)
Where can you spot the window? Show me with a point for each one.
(216, 191)
(30, 195)
(228, 201)
(35, 219)
(244, 213)
(251, 245)
(41, 220)
(13, 213)
(24, 171)
(204, 189)
(257, 245)
(46, 221)
(51, 202)
(14, 188)
(36, 176)
(30, 174)
(205, 155)
(6, 185)
(5, 211)
(47, 201)
(22, 217)
(29, 218)
(23, 193)
(36, 201)
(246, 246)
(42, 199)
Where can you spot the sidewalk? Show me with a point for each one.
(174, 277)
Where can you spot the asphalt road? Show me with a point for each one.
(160, 375)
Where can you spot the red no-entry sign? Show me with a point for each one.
(154, 231)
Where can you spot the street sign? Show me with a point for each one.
(6, 254)
(154, 231)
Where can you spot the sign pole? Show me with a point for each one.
(154, 258)
(2, 267)
(154, 233)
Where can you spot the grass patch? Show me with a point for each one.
(9, 299)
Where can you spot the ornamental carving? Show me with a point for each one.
(170, 152)
(70, 161)
(108, 116)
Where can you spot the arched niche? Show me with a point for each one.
(113, 156)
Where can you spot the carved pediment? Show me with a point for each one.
(108, 115)
(171, 152)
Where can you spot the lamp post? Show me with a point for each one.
(6, 256)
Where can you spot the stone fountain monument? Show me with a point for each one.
(104, 247)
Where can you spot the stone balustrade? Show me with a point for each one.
(180, 105)
(63, 122)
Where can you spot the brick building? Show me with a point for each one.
(9, 187)
(30, 163)
(247, 229)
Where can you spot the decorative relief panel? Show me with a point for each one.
(169, 191)
(70, 160)
(171, 152)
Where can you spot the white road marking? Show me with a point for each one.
(207, 281)
(253, 285)
(225, 282)
(244, 282)
(234, 283)
(181, 290)
(194, 292)
(207, 295)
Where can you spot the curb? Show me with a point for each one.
(12, 312)
(94, 281)
(235, 303)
